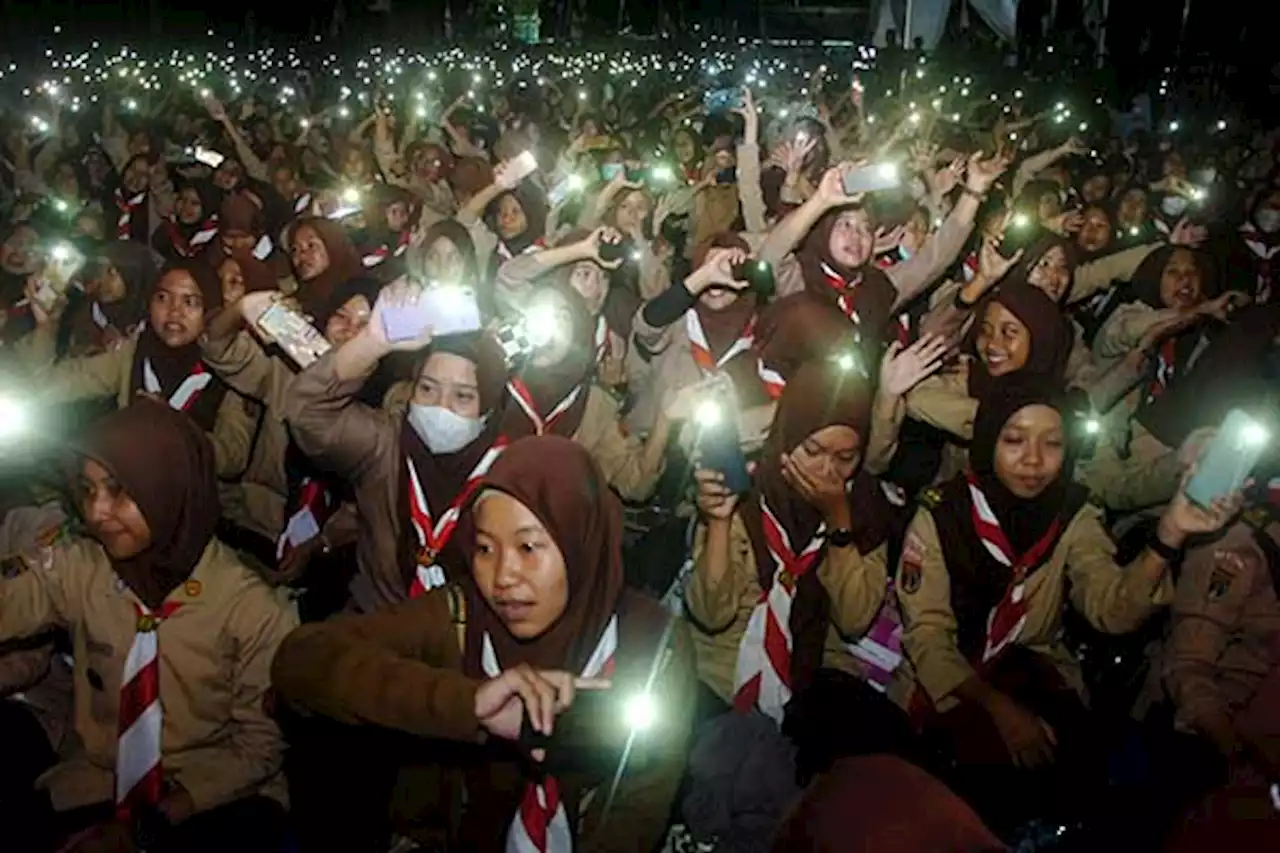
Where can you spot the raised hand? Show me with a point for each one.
(902, 369)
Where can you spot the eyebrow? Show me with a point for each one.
(528, 528)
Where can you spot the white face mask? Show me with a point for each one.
(443, 430)
(1267, 220)
(1173, 205)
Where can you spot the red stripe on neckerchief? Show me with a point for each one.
(541, 824)
(126, 208)
(1166, 368)
(774, 384)
(188, 390)
(434, 534)
(701, 349)
(1009, 616)
(187, 248)
(846, 290)
(762, 674)
(524, 399)
(139, 771)
(1265, 248)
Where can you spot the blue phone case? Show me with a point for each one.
(720, 449)
(1226, 464)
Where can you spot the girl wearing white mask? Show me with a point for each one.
(409, 473)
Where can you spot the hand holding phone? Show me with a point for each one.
(1228, 460)
(63, 262)
(719, 101)
(289, 330)
(443, 309)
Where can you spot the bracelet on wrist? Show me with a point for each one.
(1168, 553)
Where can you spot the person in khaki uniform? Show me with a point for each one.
(1222, 662)
(792, 542)
(165, 622)
(163, 361)
(986, 569)
(450, 679)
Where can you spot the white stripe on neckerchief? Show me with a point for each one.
(541, 824)
(188, 390)
(124, 221)
(99, 316)
(845, 289)
(302, 204)
(702, 356)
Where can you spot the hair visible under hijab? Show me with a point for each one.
(165, 464)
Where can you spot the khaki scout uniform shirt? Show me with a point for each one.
(719, 611)
(942, 401)
(219, 743)
(110, 374)
(1113, 599)
(1226, 629)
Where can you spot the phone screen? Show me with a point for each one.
(1226, 463)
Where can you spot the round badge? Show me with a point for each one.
(192, 588)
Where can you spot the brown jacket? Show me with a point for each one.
(215, 660)
(1226, 628)
(109, 375)
(719, 613)
(401, 668)
(1082, 565)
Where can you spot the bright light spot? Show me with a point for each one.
(351, 195)
(1093, 426)
(13, 417)
(707, 414)
(846, 361)
(640, 712)
(1254, 435)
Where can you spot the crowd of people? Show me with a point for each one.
(637, 470)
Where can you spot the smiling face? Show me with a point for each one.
(1030, 451)
(1180, 283)
(1004, 341)
(517, 566)
(177, 309)
(851, 239)
(110, 514)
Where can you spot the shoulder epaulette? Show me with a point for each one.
(930, 498)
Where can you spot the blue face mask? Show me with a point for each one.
(609, 171)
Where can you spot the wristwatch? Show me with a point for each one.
(1165, 552)
(841, 537)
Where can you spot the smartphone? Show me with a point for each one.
(871, 179)
(726, 176)
(299, 340)
(609, 171)
(719, 101)
(212, 159)
(445, 309)
(1231, 455)
(720, 445)
(63, 263)
(523, 166)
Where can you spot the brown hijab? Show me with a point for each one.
(172, 366)
(163, 461)
(1051, 336)
(723, 328)
(258, 275)
(869, 290)
(344, 263)
(443, 476)
(239, 212)
(818, 396)
(558, 481)
(549, 385)
(799, 328)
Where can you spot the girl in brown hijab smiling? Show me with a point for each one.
(543, 607)
(171, 633)
(162, 362)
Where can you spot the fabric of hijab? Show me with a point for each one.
(819, 395)
(873, 295)
(548, 385)
(165, 464)
(344, 263)
(534, 205)
(978, 580)
(173, 365)
(557, 480)
(238, 212)
(798, 328)
(443, 475)
(1050, 330)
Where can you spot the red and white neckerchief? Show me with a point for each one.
(315, 505)
(524, 399)
(380, 254)
(302, 205)
(1009, 616)
(601, 339)
(1265, 251)
(99, 316)
(434, 534)
(762, 676)
(1166, 367)
(845, 290)
(541, 825)
(506, 254)
(702, 356)
(902, 329)
(188, 248)
(774, 384)
(127, 207)
(188, 390)
(969, 268)
(139, 771)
